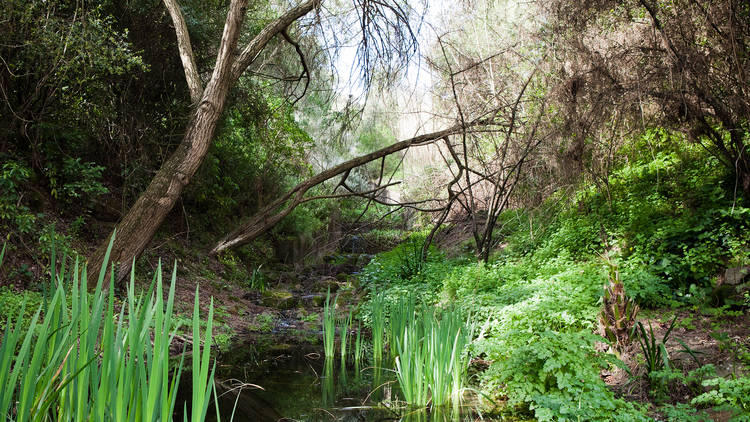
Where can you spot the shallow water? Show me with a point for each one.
(297, 383)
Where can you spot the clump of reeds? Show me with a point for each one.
(329, 325)
(346, 321)
(401, 314)
(378, 327)
(358, 348)
(81, 359)
(430, 362)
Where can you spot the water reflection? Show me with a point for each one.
(327, 388)
(301, 385)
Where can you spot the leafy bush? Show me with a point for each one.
(557, 375)
(647, 289)
(14, 213)
(75, 180)
(733, 393)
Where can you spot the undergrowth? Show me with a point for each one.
(667, 223)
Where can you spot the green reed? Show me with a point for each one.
(329, 325)
(82, 360)
(358, 348)
(401, 314)
(378, 327)
(343, 335)
(430, 363)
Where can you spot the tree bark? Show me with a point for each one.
(139, 225)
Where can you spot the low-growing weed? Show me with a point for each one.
(682, 412)
(733, 393)
(12, 302)
(670, 384)
(265, 322)
(557, 375)
(257, 280)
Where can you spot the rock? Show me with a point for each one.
(279, 299)
(364, 259)
(251, 296)
(317, 299)
(326, 283)
(736, 275)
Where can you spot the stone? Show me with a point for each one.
(326, 283)
(317, 299)
(279, 299)
(736, 275)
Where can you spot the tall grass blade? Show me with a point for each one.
(80, 359)
(329, 325)
(378, 328)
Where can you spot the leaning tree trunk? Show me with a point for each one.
(140, 223)
(270, 215)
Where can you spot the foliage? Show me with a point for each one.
(654, 351)
(733, 393)
(411, 258)
(377, 326)
(644, 286)
(669, 383)
(329, 325)
(430, 361)
(557, 374)
(13, 210)
(12, 304)
(236, 271)
(344, 323)
(258, 152)
(683, 413)
(265, 322)
(619, 312)
(76, 181)
(257, 280)
(75, 362)
(358, 348)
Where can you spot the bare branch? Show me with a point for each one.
(256, 45)
(305, 70)
(274, 212)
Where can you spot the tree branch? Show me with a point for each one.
(305, 70)
(274, 212)
(186, 51)
(256, 45)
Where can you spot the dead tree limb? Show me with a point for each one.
(271, 214)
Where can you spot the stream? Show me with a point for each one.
(296, 383)
(283, 375)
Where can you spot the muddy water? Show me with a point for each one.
(295, 383)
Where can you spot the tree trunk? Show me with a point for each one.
(140, 223)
